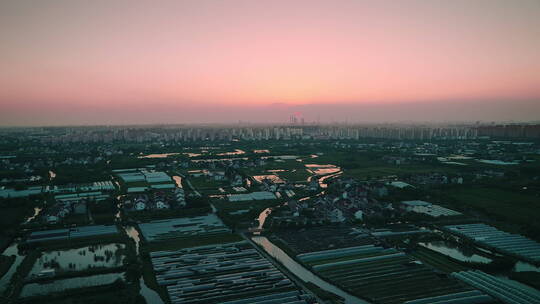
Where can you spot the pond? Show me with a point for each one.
(11, 250)
(456, 252)
(301, 272)
(40, 289)
(497, 162)
(524, 266)
(81, 258)
(161, 155)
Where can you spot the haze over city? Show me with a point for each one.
(126, 62)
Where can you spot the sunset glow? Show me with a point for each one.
(165, 61)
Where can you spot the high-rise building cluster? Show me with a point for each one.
(256, 132)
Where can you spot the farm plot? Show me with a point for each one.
(230, 273)
(371, 272)
(179, 228)
(437, 260)
(179, 233)
(322, 238)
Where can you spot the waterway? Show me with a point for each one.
(322, 180)
(37, 211)
(52, 175)
(322, 183)
(133, 233)
(320, 170)
(301, 272)
(262, 217)
(178, 180)
(236, 152)
(151, 296)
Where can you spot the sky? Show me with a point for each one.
(76, 62)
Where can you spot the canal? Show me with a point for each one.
(301, 272)
(150, 295)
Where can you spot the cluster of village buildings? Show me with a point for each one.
(156, 200)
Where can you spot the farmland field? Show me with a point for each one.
(369, 271)
(504, 205)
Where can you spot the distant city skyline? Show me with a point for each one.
(168, 62)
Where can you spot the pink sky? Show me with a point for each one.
(85, 62)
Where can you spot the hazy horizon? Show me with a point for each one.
(167, 62)
(411, 112)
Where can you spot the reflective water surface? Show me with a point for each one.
(38, 289)
(301, 272)
(81, 258)
(6, 278)
(456, 252)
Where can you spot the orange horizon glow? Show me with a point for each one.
(85, 58)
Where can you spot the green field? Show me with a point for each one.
(112, 294)
(245, 219)
(295, 171)
(203, 182)
(437, 260)
(295, 175)
(5, 263)
(369, 171)
(504, 205)
(370, 164)
(192, 242)
(530, 278)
